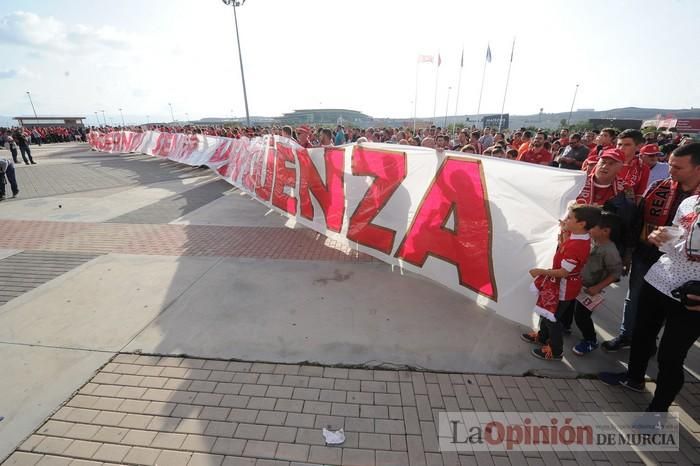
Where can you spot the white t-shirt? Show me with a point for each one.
(674, 268)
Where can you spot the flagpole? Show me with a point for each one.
(415, 101)
(459, 85)
(500, 119)
(437, 74)
(483, 75)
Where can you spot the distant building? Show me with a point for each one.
(617, 123)
(328, 116)
(43, 121)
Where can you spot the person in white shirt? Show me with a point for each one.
(670, 298)
(650, 156)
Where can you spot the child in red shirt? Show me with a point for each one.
(558, 287)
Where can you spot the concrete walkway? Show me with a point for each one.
(182, 264)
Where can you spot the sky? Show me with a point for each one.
(79, 57)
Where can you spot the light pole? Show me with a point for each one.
(447, 105)
(172, 115)
(122, 115)
(98, 119)
(104, 117)
(572, 105)
(30, 101)
(237, 3)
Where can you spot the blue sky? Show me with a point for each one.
(81, 56)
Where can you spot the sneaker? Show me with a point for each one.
(620, 378)
(532, 337)
(545, 352)
(616, 344)
(634, 386)
(33, 162)
(585, 347)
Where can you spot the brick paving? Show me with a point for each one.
(175, 240)
(182, 411)
(27, 270)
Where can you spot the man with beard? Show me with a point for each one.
(536, 153)
(656, 209)
(574, 154)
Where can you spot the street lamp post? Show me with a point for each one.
(98, 119)
(104, 117)
(172, 115)
(237, 3)
(122, 115)
(30, 101)
(572, 105)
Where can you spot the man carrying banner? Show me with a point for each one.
(657, 208)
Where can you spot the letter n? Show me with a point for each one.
(330, 195)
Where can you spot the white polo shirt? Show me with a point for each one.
(674, 269)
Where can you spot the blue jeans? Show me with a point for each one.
(640, 267)
(10, 174)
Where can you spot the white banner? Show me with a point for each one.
(474, 224)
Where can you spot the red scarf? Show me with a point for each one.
(587, 194)
(633, 175)
(657, 205)
(547, 289)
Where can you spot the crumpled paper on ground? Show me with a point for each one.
(333, 437)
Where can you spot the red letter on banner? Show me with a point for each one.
(388, 169)
(457, 191)
(330, 195)
(263, 186)
(284, 177)
(222, 152)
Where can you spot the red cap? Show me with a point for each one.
(613, 154)
(304, 129)
(650, 149)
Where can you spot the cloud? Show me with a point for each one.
(21, 72)
(49, 34)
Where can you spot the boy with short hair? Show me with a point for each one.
(603, 268)
(558, 287)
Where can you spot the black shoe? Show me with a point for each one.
(33, 162)
(14, 195)
(620, 378)
(616, 344)
(532, 337)
(545, 352)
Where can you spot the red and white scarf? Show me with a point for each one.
(587, 194)
(547, 290)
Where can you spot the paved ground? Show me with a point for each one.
(108, 255)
